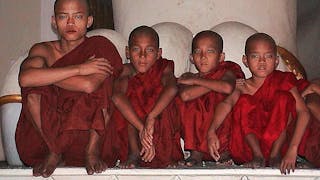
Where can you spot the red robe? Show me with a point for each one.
(265, 114)
(197, 114)
(66, 116)
(143, 92)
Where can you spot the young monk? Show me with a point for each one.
(263, 107)
(312, 98)
(202, 91)
(144, 95)
(66, 85)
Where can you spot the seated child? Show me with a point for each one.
(263, 107)
(312, 98)
(202, 91)
(65, 88)
(144, 95)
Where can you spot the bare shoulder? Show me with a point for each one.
(39, 55)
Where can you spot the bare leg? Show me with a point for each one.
(275, 157)
(47, 167)
(94, 162)
(134, 149)
(313, 103)
(258, 159)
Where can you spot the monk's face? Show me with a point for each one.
(71, 19)
(205, 55)
(143, 52)
(261, 58)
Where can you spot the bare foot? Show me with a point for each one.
(256, 162)
(94, 164)
(47, 167)
(275, 162)
(195, 159)
(173, 165)
(132, 162)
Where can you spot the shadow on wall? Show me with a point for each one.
(308, 36)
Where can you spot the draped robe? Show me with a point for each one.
(197, 114)
(67, 116)
(143, 92)
(264, 114)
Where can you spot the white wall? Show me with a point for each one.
(275, 17)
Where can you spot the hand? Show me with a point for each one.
(213, 145)
(147, 154)
(310, 89)
(289, 161)
(95, 66)
(240, 82)
(146, 135)
(187, 79)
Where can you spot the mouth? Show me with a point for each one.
(261, 68)
(71, 31)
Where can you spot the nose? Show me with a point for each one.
(70, 21)
(202, 55)
(142, 53)
(262, 59)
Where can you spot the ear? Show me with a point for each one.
(159, 54)
(90, 21)
(222, 57)
(277, 60)
(127, 52)
(53, 22)
(244, 60)
(191, 59)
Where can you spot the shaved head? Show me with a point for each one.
(144, 30)
(85, 2)
(211, 34)
(260, 37)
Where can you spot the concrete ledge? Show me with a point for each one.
(164, 174)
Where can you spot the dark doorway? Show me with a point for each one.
(102, 13)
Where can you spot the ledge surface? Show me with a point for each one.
(164, 174)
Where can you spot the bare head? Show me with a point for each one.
(209, 34)
(144, 31)
(58, 3)
(260, 37)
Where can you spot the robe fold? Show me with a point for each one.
(143, 92)
(264, 114)
(197, 114)
(67, 116)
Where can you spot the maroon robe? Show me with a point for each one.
(67, 116)
(143, 92)
(264, 114)
(197, 114)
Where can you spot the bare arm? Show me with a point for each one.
(303, 116)
(220, 113)
(35, 70)
(198, 86)
(169, 91)
(122, 102)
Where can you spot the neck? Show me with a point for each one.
(257, 81)
(66, 46)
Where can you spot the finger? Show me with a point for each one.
(145, 143)
(150, 155)
(142, 151)
(92, 57)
